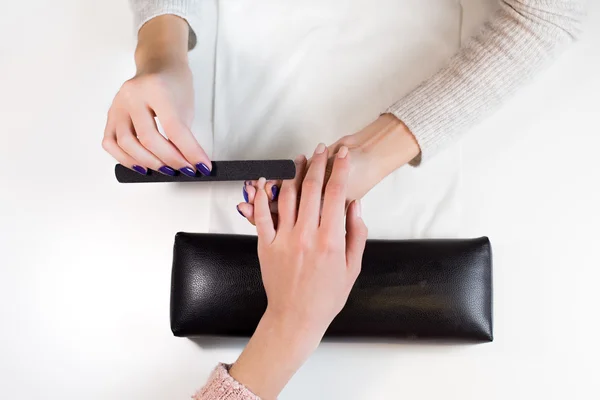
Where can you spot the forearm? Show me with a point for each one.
(162, 41)
(520, 39)
(275, 352)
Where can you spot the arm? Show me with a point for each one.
(162, 87)
(519, 40)
(309, 263)
(145, 10)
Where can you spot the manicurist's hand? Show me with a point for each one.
(162, 88)
(309, 262)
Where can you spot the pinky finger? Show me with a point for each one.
(109, 143)
(247, 211)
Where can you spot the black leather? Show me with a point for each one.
(407, 289)
(221, 171)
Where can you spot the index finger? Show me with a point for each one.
(181, 136)
(334, 201)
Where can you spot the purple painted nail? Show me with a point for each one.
(274, 192)
(139, 170)
(245, 194)
(238, 208)
(188, 171)
(203, 169)
(167, 170)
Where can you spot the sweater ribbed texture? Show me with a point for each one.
(145, 10)
(221, 386)
(519, 40)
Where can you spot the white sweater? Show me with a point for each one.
(521, 38)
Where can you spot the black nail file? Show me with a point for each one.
(221, 171)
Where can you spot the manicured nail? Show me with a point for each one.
(300, 159)
(261, 183)
(238, 208)
(188, 171)
(320, 148)
(343, 152)
(274, 192)
(167, 170)
(140, 170)
(245, 194)
(203, 169)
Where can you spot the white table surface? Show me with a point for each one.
(85, 262)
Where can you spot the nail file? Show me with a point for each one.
(221, 171)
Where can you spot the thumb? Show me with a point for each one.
(356, 237)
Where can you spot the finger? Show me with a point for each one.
(149, 136)
(356, 238)
(334, 200)
(288, 196)
(130, 144)
(181, 136)
(248, 192)
(247, 211)
(272, 188)
(312, 189)
(262, 215)
(109, 143)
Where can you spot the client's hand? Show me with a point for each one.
(377, 150)
(309, 263)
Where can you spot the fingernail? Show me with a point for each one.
(238, 208)
(320, 148)
(188, 171)
(261, 183)
(300, 159)
(274, 192)
(167, 170)
(203, 169)
(358, 208)
(140, 170)
(343, 152)
(245, 194)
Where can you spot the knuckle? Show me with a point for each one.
(145, 139)
(311, 186)
(328, 244)
(123, 140)
(304, 241)
(107, 144)
(287, 191)
(335, 190)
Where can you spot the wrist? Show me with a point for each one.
(162, 44)
(388, 143)
(276, 350)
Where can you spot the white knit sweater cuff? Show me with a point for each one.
(426, 120)
(145, 10)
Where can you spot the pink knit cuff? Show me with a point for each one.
(221, 386)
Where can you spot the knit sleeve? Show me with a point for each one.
(221, 386)
(145, 10)
(519, 40)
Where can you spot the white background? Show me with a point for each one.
(85, 262)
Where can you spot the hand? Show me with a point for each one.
(377, 150)
(309, 263)
(162, 87)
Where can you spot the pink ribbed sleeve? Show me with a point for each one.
(221, 386)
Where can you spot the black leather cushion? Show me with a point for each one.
(407, 289)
